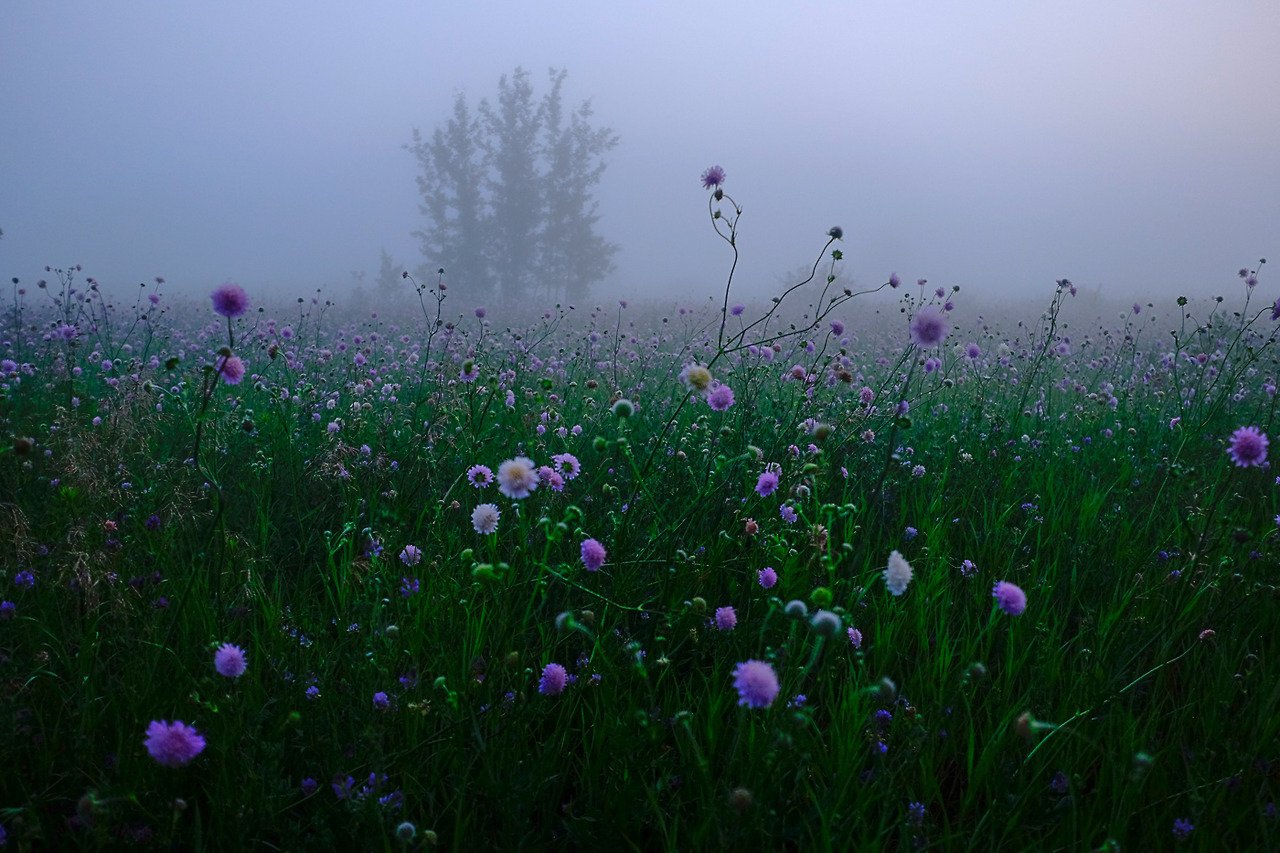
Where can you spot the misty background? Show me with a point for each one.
(1131, 146)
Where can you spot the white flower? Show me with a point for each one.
(517, 477)
(897, 574)
(484, 519)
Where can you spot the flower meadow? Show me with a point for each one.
(854, 568)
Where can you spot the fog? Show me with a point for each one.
(1129, 146)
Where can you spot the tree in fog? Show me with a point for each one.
(508, 195)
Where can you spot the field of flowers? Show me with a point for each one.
(839, 571)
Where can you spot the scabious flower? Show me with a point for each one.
(593, 555)
(1248, 447)
(8, 610)
(788, 513)
(230, 300)
(720, 398)
(484, 519)
(756, 683)
(567, 464)
(695, 377)
(411, 555)
(173, 744)
(232, 370)
(768, 577)
(855, 637)
(767, 483)
(517, 478)
(928, 327)
(553, 680)
(726, 618)
(229, 661)
(1010, 597)
(479, 476)
(712, 177)
(897, 574)
(1182, 829)
(381, 701)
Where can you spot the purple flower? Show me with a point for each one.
(593, 555)
(230, 300)
(1275, 310)
(756, 683)
(479, 476)
(855, 637)
(8, 610)
(24, 579)
(411, 555)
(837, 328)
(712, 177)
(517, 478)
(915, 814)
(309, 786)
(232, 370)
(409, 586)
(229, 661)
(1182, 828)
(173, 744)
(553, 680)
(737, 310)
(788, 513)
(726, 618)
(720, 398)
(1010, 597)
(928, 327)
(767, 484)
(380, 701)
(1248, 447)
(768, 577)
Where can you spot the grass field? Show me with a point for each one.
(682, 631)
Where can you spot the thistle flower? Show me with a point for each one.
(897, 574)
(756, 683)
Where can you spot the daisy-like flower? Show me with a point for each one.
(480, 476)
(484, 519)
(517, 478)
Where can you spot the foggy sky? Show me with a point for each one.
(995, 145)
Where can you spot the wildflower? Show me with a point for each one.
(796, 609)
(567, 465)
(8, 610)
(406, 831)
(915, 814)
(229, 661)
(751, 527)
(623, 408)
(1275, 310)
(1182, 828)
(479, 476)
(484, 519)
(726, 618)
(230, 300)
(173, 744)
(972, 351)
(411, 555)
(897, 574)
(756, 683)
(380, 701)
(553, 680)
(517, 478)
(894, 281)
(788, 513)
(409, 586)
(855, 637)
(768, 577)
(1010, 598)
(309, 786)
(712, 178)
(1248, 447)
(696, 377)
(737, 310)
(767, 483)
(928, 327)
(313, 692)
(967, 569)
(232, 370)
(593, 555)
(837, 328)
(720, 398)
(825, 623)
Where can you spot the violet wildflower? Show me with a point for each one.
(726, 618)
(788, 513)
(230, 300)
(380, 701)
(712, 178)
(309, 786)
(230, 661)
(855, 637)
(479, 476)
(567, 465)
(720, 398)
(756, 683)
(1182, 829)
(768, 577)
(411, 555)
(232, 370)
(1248, 447)
(593, 555)
(1010, 598)
(173, 744)
(409, 586)
(767, 483)
(553, 680)
(24, 579)
(928, 327)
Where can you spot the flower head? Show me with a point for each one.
(517, 478)
(1248, 447)
(1010, 597)
(593, 555)
(232, 370)
(897, 574)
(720, 398)
(484, 519)
(230, 300)
(712, 177)
(229, 661)
(479, 476)
(767, 483)
(726, 618)
(756, 683)
(553, 680)
(173, 744)
(695, 377)
(768, 577)
(928, 327)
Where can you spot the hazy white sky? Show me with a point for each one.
(994, 144)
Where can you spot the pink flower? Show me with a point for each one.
(593, 555)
